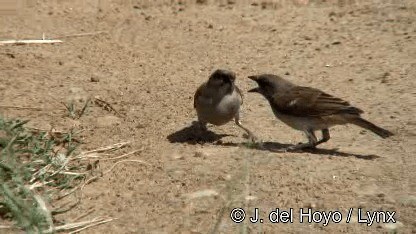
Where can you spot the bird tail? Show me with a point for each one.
(384, 133)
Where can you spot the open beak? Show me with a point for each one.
(252, 77)
(255, 90)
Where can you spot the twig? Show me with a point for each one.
(105, 105)
(54, 131)
(84, 215)
(61, 210)
(21, 107)
(69, 193)
(109, 170)
(123, 161)
(123, 156)
(81, 187)
(47, 213)
(6, 227)
(70, 226)
(24, 42)
(91, 156)
(92, 225)
(84, 34)
(107, 148)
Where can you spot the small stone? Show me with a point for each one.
(251, 198)
(10, 55)
(336, 43)
(77, 94)
(202, 193)
(200, 154)
(308, 38)
(210, 26)
(177, 156)
(408, 200)
(331, 14)
(107, 121)
(95, 78)
(393, 227)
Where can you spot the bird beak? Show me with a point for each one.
(252, 77)
(255, 90)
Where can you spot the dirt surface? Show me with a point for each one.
(146, 58)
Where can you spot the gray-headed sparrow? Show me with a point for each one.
(218, 101)
(309, 109)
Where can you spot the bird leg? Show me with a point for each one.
(202, 126)
(251, 136)
(325, 136)
(312, 142)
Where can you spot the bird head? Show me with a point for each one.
(223, 79)
(268, 84)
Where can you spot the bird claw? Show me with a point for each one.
(299, 147)
(253, 139)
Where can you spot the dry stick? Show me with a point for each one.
(79, 224)
(112, 167)
(84, 215)
(107, 148)
(24, 42)
(247, 188)
(6, 227)
(21, 107)
(61, 210)
(123, 156)
(85, 34)
(123, 161)
(68, 193)
(48, 214)
(92, 225)
(44, 130)
(91, 156)
(81, 186)
(105, 105)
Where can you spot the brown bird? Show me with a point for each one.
(218, 101)
(309, 109)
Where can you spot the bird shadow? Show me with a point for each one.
(280, 148)
(194, 135)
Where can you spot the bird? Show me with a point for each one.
(218, 100)
(309, 109)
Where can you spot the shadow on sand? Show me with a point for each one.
(281, 148)
(194, 135)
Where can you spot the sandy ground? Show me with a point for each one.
(147, 58)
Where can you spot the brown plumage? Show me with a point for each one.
(218, 100)
(308, 109)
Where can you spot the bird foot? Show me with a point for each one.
(300, 147)
(252, 138)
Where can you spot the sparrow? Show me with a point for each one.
(309, 109)
(218, 101)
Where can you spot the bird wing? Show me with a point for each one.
(197, 94)
(306, 101)
(240, 93)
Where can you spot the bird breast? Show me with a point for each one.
(218, 110)
(309, 123)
